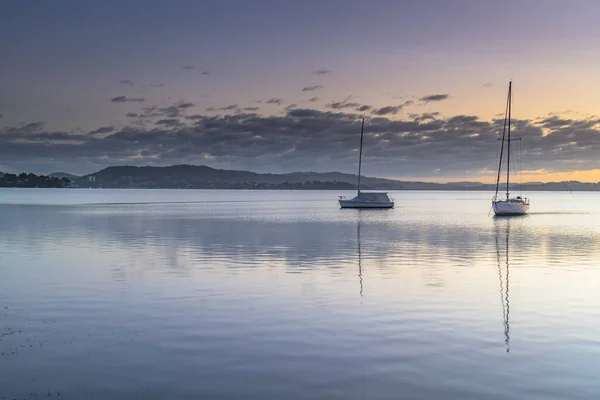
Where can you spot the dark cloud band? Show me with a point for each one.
(309, 139)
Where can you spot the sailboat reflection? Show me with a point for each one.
(504, 284)
(360, 278)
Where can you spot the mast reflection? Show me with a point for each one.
(360, 278)
(504, 284)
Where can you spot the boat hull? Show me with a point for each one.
(507, 208)
(364, 204)
(361, 204)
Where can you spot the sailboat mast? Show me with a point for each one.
(508, 148)
(362, 130)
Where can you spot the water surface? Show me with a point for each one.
(156, 294)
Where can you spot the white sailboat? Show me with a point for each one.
(365, 199)
(510, 205)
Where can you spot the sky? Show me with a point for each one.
(279, 86)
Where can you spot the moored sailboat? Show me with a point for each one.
(365, 199)
(510, 205)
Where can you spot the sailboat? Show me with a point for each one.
(515, 205)
(365, 199)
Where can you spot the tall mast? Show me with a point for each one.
(508, 154)
(362, 129)
(503, 140)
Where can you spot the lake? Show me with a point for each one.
(180, 294)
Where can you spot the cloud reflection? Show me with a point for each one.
(187, 237)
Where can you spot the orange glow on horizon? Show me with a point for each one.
(589, 176)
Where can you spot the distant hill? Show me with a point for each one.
(200, 177)
(204, 177)
(61, 175)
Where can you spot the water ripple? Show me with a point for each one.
(188, 294)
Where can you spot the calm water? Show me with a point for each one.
(127, 294)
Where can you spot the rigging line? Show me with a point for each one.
(362, 130)
(521, 164)
(508, 143)
(502, 144)
(497, 148)
(496, 161)
(520, 155)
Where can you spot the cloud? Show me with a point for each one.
(251, 108)
(306, 139)
(169, 122)
(174, 110)
(170, 112)
(157, 85)
(205, 73)
(126, 82)
(435, 97)
(291, 107)
(322, 72)
(363, 108)
(424, 116)
(487, 85)
(32, 127)
(274, 100)
(391, 110)
(554, 122)
(346, 103)
(188, 67)
(124, 99)
(39, 136)
(226, 108)
(387, 110)
(304, 113)
(312, 88)
(1, 116)
(104, 129)
(313, 99)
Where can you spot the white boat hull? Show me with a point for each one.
(505, 208)
(367, 200)
(361, 204)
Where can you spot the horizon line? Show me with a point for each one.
(397, 179)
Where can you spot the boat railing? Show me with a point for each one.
(517, 199)
(342, 198)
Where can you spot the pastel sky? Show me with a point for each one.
(278, 86)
